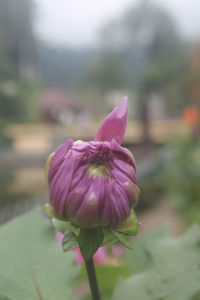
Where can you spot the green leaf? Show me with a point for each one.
(63, 226)
(173, 271)
(33, 265)
(59, 225)
(89, 241)
(140, 259)
(109, 238)
(131, 225)
(69, 241)
(4, 298)
(122, 238)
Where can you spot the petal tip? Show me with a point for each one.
(122, 107)
(125, 100)
(114, 125)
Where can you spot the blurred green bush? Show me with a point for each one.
(17, 104)
(183, 177)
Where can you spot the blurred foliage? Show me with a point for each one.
(17, 59)
(6, 177)
(140, 259)
(149, 44)
(152, 177)
(153, 188)
(16, 33)
(176, 178)
(17, 104)
(7, 70)
(4, 140)
(140, 51)
(63, 67)
(107, 73)
(16, 99)
(193, 76)
(171, 269)
(33, 265)
(154, 57)
(183, 176)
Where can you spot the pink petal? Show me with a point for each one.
(58, 157)
(79, 259)
(60, 183)
(100, 257)
(114, 125)
(59, 237)
(117, 250)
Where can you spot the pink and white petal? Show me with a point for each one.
(58, 157)
(100, 257)
(61, 182)
(114, 125)
(122, 154)
(59, 237)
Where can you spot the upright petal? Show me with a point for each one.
(114, 125)
(58, 157)
(61, 182)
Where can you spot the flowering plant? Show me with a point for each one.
(93, 188)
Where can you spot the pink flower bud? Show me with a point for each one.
(94, 183)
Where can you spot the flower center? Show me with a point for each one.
(102, 156)
(99, 161)
(97, 170)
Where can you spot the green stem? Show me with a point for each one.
(92, 279)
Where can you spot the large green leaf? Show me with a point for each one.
(173, 274)
(32, 264)
(140, 259)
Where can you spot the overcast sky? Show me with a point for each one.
(77, 22)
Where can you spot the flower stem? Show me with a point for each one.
(92, 279)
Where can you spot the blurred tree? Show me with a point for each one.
(62, 67)
(17, 58)
(16, 35)
(151, 49)
(107, 73)
(193, 78)
(183, 176)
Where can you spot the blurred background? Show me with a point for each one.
(65, 64)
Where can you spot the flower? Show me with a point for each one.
(191, 116)
(94, 183)
(100, 257)
(117, 250)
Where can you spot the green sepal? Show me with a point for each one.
(48, 209)
(90, 240)
(109, 238)
(131, 225)
(63, 226)
(123, 238)
(70, 241)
